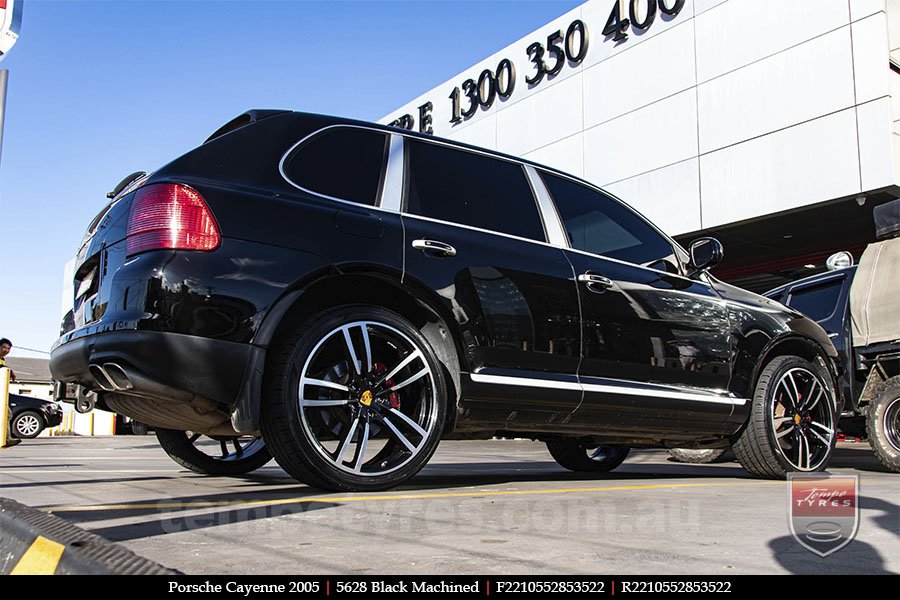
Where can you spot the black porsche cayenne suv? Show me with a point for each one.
(342, 295)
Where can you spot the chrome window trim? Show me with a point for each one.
(564, 245)
(553, 228)
(479, 229)
(612, 386)
(284, 176)
(392, 191)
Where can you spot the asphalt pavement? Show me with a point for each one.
(479, 507)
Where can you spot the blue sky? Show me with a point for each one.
(102, 88)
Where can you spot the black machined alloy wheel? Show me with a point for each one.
(883, 423)
(214, 455)
(585, 456)
(356, 401)
(27, 424)
(792, 426)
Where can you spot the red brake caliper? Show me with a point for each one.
(394, 398)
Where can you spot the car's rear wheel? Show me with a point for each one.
(792, 420)
(214, 455)
(27, 424)
(584, 455)
(883, 423)
(355, 400)
(697, 456)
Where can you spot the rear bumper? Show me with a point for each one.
(157, 364)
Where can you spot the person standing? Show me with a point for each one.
(5, 347)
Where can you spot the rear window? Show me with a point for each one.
(471, 189)
(816, 302)
(344, 163)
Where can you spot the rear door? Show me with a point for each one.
(474, 238)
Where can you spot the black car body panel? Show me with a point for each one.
(50, 412)
(655, 357)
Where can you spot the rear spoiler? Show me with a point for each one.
(251, 116)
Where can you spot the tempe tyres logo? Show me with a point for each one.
(824, 511)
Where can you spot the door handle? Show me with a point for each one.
(592, 279)
(436, 247)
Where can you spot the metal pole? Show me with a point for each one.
(4, 77)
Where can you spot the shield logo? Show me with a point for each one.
(824, 510)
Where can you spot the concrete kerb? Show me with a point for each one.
(33, 542)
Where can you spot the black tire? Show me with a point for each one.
(28, 424)
(213, 456)
(310, 438)
(883, 423)
(138, 428)
(697, 456)
(783, 435)
(583, 456)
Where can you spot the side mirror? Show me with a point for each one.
(706, 253)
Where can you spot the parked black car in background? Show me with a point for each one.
(345, 295)
(30, 416)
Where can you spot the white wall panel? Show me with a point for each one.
(742, 31)
(875, 156)
(704, 5)
(548, 116)
(566, 155)
(661, 134)
(859, 9)
(790, 168)
(658, 68)
(871, 58)
(670, 197)
(596, 13)
(483, 133)
(805, 82)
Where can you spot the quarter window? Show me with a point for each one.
(470, 189)
(600, 225)
(344, 163)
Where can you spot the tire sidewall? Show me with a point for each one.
(323, 324)
(15, 425)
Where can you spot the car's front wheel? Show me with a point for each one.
(792, 420)
(355, 400)
(214, 455)
(883, 423)
(583, 455)
(27, 424)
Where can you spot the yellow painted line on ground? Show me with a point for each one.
(41, 558)
(89, 471)
(391, 497)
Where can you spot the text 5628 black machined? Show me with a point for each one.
(342, 296)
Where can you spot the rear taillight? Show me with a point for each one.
(170, 216)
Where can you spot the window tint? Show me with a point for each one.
(817, 302)
(470, 189)
(344, 163)
(598, 224)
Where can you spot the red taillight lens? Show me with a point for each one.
(169, 216)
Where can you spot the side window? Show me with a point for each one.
(470, 189)
(598, 224)
(816, 302)
(344, 163)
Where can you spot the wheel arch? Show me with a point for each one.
(795, 344)
(330, 288)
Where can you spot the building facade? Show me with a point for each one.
(772, 124)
